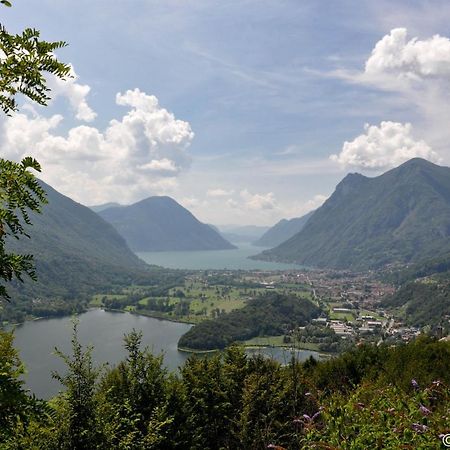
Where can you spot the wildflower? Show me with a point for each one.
(436, 383)
(418, 427)
(311, 419)
(297, 420)
(308, 394)
(424, 410)
(360, 405)
(415, 384)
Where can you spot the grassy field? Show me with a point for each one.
(277, 341)
(194, 302)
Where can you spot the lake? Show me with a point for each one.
(36, 341)
(236, 259)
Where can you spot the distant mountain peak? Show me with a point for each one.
(401, 216)
(159, 223)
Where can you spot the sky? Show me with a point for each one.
(244, 111)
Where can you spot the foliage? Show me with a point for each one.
(20, 193)
(24, 61)
(370, 397)
(381, 417)
(78, 406)
(268, 315)
(14, 402)
(133, 397)
(425, 302)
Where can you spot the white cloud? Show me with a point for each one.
(395, 55)
(193, 202)
(314, 203)
(138, 155)
(231, 203)
(219, 192)
(383, 147)
(76, 94)
(163, 166)
(258, 201)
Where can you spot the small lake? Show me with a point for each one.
(236, 259)
(36, 341)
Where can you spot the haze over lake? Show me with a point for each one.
(236, 259)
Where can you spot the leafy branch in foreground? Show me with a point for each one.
(24, 59)
(20, 193)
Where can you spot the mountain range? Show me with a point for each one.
(242, 233)
(76, 252)
(401, 216)
(282, 231)
(161, 224)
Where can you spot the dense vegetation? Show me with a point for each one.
(438, 267)
(268, 315)
(422, 303)
(161, 224)
(282, 231)
(402, 216)
(371, 397)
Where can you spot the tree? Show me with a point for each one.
(24, 62)
(78, 401)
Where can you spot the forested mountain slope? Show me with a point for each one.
(402, 216)
(76, 252)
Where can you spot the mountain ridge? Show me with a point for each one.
(159, 223)
(282, 231)
(398, 217)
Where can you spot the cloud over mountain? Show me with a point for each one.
(142, 152)
(383, 147)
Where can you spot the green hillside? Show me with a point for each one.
(267, 315)
(423, 302)
(161, 224)
(76, 253)
(402, 216)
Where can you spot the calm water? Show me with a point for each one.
(36, 341)
(214, 259)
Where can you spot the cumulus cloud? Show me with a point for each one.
(75, 92)
(140, 154)
(395, 55)
(258, 201)
(383, 147)
(219, 192)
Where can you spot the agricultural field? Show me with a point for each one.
(197, 299)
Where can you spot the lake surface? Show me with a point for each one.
(36, 341)
(236, 259)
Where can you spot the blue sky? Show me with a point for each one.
(253, 97)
